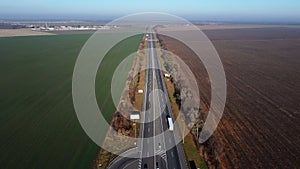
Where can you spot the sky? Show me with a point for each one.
(230, 10)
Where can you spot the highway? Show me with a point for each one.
(156, 148)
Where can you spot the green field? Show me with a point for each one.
(107, 68)
(39, 128)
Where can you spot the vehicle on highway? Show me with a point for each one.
(170, 123)
(157, 167)
(145, 166)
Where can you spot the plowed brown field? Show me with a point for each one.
(260, 127)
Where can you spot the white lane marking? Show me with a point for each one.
(159, 105)
(144, 114)
(148, 154)
(172, 154)
(154, 105)
(148, 129)
(164, 155)
(129, 164)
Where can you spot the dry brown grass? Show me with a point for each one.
(189, 146)
(21, 32)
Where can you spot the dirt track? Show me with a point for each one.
(260, 125)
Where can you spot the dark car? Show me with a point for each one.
(157, 167)
(145, 166)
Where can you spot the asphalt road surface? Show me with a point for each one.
(156, 148)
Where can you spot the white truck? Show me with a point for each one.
(170, 123)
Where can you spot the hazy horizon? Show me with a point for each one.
(230, 10)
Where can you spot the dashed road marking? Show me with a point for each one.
(162, 154)
(140, 164)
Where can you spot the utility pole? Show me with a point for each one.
(134, 123)
(197, 132)
(134, 129)
(199, 125)
(183, 127)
